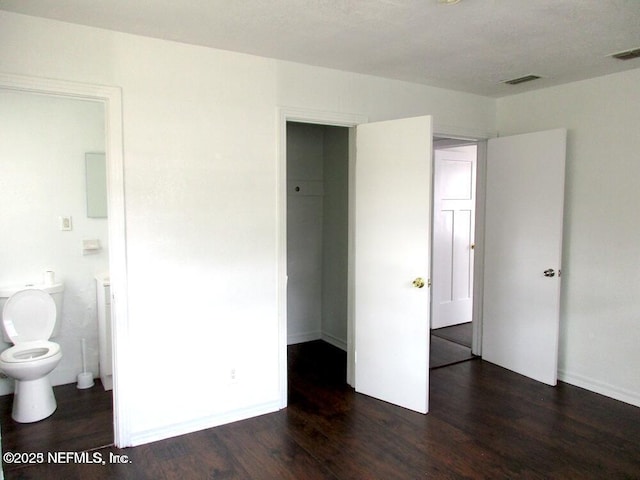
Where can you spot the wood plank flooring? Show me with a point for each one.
(445, 353)
(484, 422)
(460, 334)
(451, 345)
(82, 421)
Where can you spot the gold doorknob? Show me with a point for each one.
(418, 282)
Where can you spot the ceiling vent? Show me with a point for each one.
(627, 55)
(526, 78)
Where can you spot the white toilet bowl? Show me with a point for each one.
(28, 318)
(29, 364)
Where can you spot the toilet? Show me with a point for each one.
(30, 317)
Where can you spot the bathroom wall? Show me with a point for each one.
(42, 148)
(317, 233)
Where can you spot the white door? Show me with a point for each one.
(523, 248)
(454, 198)
(392, 251)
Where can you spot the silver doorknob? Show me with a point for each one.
(549, 272)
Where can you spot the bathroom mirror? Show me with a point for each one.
(96, 184)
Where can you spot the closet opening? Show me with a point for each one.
(317, 237)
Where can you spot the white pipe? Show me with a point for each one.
(84, 363)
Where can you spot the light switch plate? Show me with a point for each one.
(65, 223)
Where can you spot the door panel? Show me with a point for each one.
(453, 235)
(523, 238)
(392, 245)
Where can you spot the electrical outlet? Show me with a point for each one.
(233, 375)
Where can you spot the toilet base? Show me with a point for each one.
(33, 400)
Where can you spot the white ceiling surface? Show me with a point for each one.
(472, 46)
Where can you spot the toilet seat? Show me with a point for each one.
(29, 352)
(29, 315)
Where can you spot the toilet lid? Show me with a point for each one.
(29, 315)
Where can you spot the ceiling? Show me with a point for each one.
(472, 46)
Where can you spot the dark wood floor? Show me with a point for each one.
(451, 345)
(445, 353)
(461, 334)
(484, 422)
(82, 421)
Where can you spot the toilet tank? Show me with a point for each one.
(55, 290)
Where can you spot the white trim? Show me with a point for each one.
(293, 114)
(478, 266)
(460, 133)
(336, 119)
(292, 339)
(602, 388)
(335, 341)
(111, 97)
(183, 428)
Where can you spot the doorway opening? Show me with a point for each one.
(317, 239)
(57, 170)
(373, 139)
(453, 254)
(111, 99)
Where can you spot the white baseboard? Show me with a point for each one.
(292, 339)
(335, 341)
(602, 388)
(303, 337)
(169, 431)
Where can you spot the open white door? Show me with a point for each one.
(454, 199)
(392, 236)
(523, 253)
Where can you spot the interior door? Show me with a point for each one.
(523, 253)
(454, 199)
(392, 250)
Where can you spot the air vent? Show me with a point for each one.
(526, 78)
(627, 55)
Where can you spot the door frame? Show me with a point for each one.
(480, 140)
(111, 98)
(478, 260)
(350, 121)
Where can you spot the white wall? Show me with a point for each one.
(305, 172)
(335, 236)
(42, 159)
(200, 154)
(600, 319)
